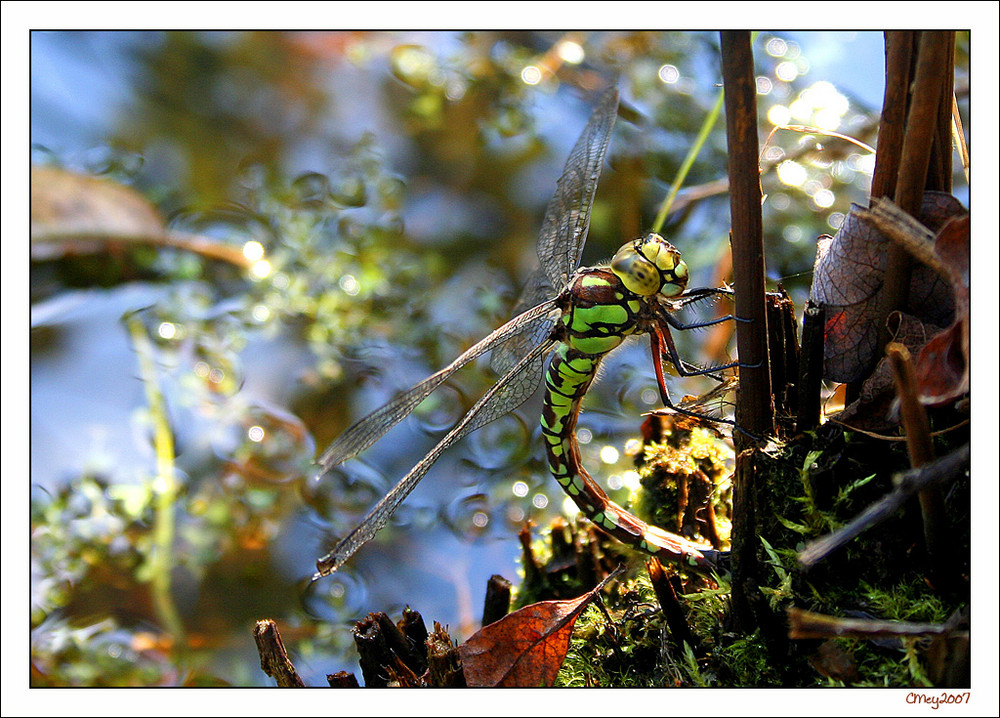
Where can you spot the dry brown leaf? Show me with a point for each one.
(527, 647)
(78, 214)
(65, 205)
(874, 409)
(942, 367)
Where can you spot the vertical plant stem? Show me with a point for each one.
(165, 486)
(940, 171)
(898, 60)
(754, 408)
(783, 357)
(929, 81)
(755, 411)
(921, 129)
(810, 367)
(899, 51)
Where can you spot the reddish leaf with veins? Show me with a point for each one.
(873, 411)
(525, 648)
(943, 364)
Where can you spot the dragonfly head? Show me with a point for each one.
(649, 265)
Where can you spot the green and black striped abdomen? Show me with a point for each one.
(598, 313)
(568, 377)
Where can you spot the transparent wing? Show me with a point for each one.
(567, 217)
(564, 229)
(372, 427)
(537, 289)
(508, 393)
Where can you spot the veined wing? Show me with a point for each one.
(511, 391)
(564, 229)
(567, 217)
(369, 429)
(716, 395)
(536, 290)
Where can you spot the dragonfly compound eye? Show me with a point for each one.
(667, 260)
(638, 274)
(674, 280)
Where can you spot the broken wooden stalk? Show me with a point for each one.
(921, 451)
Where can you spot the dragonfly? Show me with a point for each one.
(576, 316)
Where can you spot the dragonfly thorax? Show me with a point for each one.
(651, 265)
(599, 311)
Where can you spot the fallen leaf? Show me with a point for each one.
(527, 647)
(874, 409)
(848, 279)
(73, 212)
(77, 214)
(942, 366)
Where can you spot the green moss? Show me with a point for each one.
(685, 477)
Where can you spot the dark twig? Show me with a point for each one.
(412, 656)
(921, 451)
(908, 483)
(810, 367)
(783, 350)
(806, 624)
(274, 659)
(444, 664)
(342, 679)
(532, 571)
(373, 654)
(680, 632)
(497, 602)
(411, 625)
(754, 408)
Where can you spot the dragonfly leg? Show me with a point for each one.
(682, 367)
(692, 296)
(678, 324)
(660, 338)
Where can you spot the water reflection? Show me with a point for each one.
(344, 595)
(506, 442)
(468, 516)
(349, 488)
